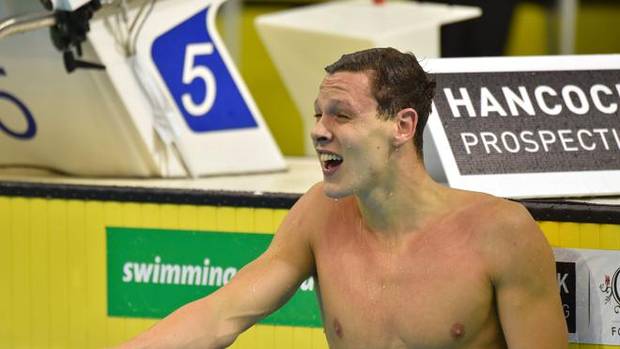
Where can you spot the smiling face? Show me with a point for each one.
(352, 141)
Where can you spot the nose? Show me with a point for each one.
(320, 134)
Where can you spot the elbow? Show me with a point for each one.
(227, 333)
(224, 341)
(229, 328)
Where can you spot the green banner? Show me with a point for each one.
(152, 272)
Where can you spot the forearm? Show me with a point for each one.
(195, 325)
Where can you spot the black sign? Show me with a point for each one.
(531, 122)
(567, 285)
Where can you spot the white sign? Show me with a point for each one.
(530, 126)
(589, 282)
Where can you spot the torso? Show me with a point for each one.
(430, 289)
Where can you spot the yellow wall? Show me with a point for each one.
(597, 29)
(53, 258)
(53, 279)
(582, 235)
(265, 84)
(528, 34)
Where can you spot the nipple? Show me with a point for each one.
(338, 328)
(457, 331)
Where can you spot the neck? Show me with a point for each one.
(403, 201)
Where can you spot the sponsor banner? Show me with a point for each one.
(589, 282)
(152, 272)
(507, 122)
(566, 283)
(554, 121)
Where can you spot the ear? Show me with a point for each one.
(406, 122)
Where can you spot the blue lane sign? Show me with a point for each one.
(198, 79)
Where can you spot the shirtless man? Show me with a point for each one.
(401, 261)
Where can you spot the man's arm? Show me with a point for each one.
(524, 277)
(258, 289)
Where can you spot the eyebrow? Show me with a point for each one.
(333, 106)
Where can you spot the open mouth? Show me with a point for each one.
(330, 161)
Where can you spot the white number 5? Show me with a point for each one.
(192, 72)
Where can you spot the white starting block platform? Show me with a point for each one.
(170, 102)
(302, 173)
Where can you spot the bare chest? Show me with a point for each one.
(433, 296)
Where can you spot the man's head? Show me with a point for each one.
(397, 82)
(370, 106)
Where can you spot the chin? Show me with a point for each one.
(334, 191)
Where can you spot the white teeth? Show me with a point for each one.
(327, 157)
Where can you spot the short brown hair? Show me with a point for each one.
(397, 82)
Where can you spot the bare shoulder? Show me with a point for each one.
(503, 232)
(509, 237)
(506, 216)
(496, 214)
(499, 218)
(307, 213)
(312, 203)
(294, 240)
(508, 221)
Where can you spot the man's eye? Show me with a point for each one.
(317, 116)
(342, 116)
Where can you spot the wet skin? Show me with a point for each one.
(430, 289)
(403, 262)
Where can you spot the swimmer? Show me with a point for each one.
(400, 260)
